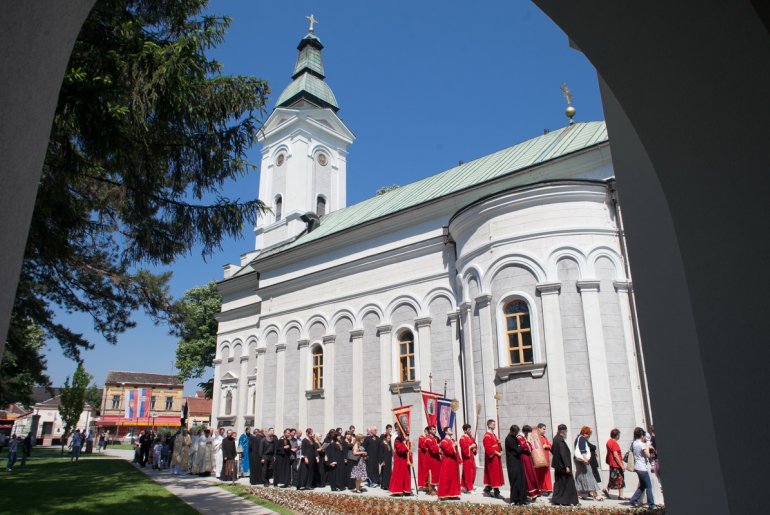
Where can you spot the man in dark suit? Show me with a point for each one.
(229, 454)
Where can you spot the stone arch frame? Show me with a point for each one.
(339, 315)
(408, 299)
(371, 307)
(312, 321)
(319, 148)
(571, 252)
(612, 255)
(252, 344)
(224, 344)
(272, 328)
(437, 292)
(520, 259)
(538, 341)
(471, 271)
(291, 324)
(238, 345)
(395, 338)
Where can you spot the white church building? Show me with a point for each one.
(506, 274)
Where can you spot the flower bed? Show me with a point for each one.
(318, 503)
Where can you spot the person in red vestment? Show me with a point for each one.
(543, 473)
(493, 466)
(526, 460)
(400, 480)
(434, 460)
(468, 450)
(449, 478)
(422, 459)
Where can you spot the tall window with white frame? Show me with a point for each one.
(278, 207)
(406, 365)
(318, 368)
(229, 403)
(518, 332)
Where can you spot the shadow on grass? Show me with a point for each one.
(54, 485)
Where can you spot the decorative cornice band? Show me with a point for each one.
(422, 322)
(588, 285)
(548, 288)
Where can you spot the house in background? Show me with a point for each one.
(198, 410)
(133, 401)
(50, 426)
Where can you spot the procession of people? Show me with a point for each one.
(445, 467)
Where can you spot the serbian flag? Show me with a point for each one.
(429, 401)
(137, 403)
(403, 418)
(445, 416)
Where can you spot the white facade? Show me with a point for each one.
(441, 271)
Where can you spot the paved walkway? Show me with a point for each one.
(206, 497)
(200, 493)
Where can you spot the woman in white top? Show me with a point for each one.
(641, 450)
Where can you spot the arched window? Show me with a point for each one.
(229, 403)
(518, 332)
(278, 207)
(318, 368)
(320, 206)
(406, 357)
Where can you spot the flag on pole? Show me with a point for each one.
(445, 416)
(431, 409)
(403, 418)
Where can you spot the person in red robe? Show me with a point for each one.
(493, 466)
(422, 459)
(468, 450)
(526, 460)
(400, 479)
(449, 478)
(434, 460)
(543, 473)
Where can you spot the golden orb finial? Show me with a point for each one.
(568, 96)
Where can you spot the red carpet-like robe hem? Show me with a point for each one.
(400, 480)
(468, 451)
(449, 477)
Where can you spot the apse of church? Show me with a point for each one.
(501, 277)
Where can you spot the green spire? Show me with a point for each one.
(308, 78)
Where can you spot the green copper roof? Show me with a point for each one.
(308, 85)
(513, 159)
(308, 77)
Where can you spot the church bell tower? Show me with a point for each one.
(304, 151)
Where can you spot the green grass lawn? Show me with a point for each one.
(121, 446)
(49, 483)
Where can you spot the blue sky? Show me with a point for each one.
(422, 85)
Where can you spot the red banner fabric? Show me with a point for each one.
(403, 418)
(430, 404)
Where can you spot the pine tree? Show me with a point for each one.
(146, 132)
(72, 400)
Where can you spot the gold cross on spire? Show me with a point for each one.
(312, 21)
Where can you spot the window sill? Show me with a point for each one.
(314, 394)
(406, 387)
(534, 369)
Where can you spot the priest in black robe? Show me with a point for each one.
(564, 490)
(229, 455)
(335, 462)
(267, 456)
(255, 443)
(386, 460)
(516, 478)
(308, 462)
(372, 448)
(282, 473)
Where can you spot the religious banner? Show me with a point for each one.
(403, 418)
(431, 408)
(445, 416)
(137, 403)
